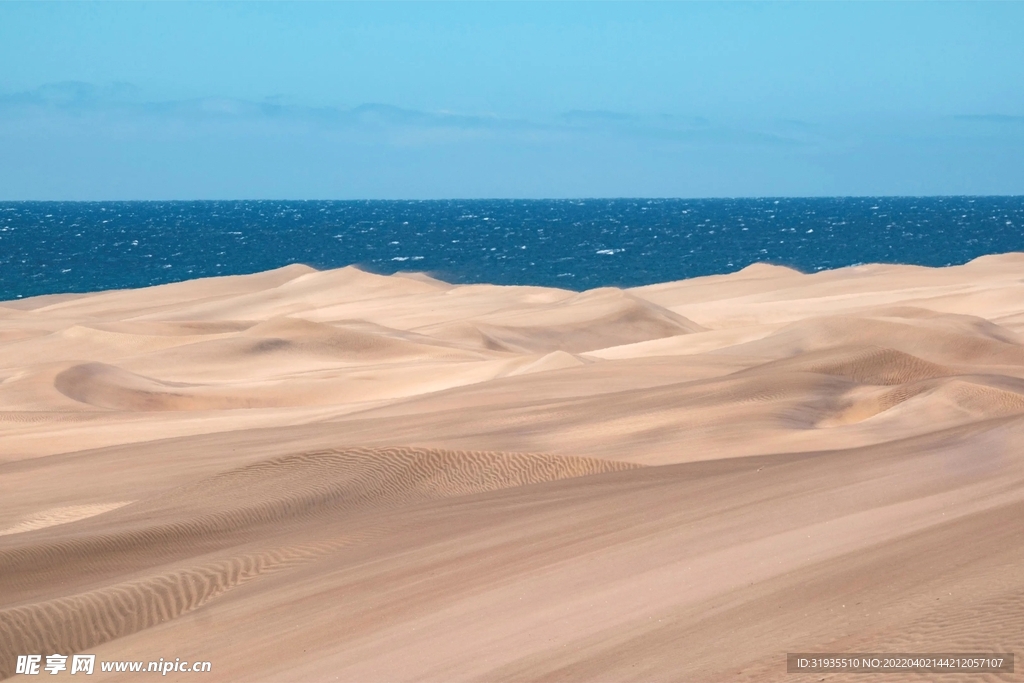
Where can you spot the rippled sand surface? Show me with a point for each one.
(303, 475)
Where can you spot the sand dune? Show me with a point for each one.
(261, 500)
(337, 475)
(621, 320)
(862, 364)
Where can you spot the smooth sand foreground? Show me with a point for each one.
(302, 475)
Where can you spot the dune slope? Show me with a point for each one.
(303, 475)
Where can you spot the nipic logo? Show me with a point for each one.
(30, 664)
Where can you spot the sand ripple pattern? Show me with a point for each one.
(230, 514)
(360, 477)
(242, 503)
(78, 622)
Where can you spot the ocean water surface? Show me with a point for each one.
(56, 247)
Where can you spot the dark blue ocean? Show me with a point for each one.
(52, 247)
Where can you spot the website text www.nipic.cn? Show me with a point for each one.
(32, 665)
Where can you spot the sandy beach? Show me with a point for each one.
(336, 475)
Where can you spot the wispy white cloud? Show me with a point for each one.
(122, 104)
(81, 140)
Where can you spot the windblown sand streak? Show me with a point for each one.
(62, 515)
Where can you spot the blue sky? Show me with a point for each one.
(422, 100)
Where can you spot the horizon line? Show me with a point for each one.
(518, 199)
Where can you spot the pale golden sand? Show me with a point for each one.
(343, 476)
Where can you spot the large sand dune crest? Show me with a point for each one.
(339, 475)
